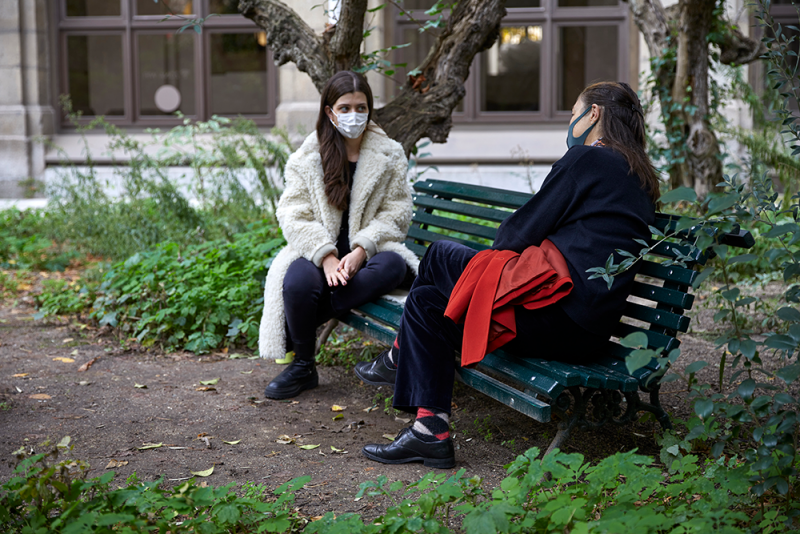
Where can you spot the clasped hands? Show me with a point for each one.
(340, 271)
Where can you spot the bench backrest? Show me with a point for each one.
(470, 215)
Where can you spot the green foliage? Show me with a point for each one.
(151, 207)
(47, 496)
(622, 493)
(24, 243)
(347, 349)
(198, 298)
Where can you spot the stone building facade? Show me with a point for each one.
(122, 60)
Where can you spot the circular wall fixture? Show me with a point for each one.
(167, 98)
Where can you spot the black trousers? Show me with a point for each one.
(310, 302)
(428, 340)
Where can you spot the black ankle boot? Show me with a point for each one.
(299, 376)
(379, 372)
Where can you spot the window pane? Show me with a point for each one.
(585, 54)
(427, 4)
(178, 7)
(523, 3)
(95, 79)
(238, 73)
(224, 7)
(93, 8)
(166, 73)
(510, 70)
(587, 3)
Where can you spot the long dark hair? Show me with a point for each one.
(336, 170)
(623, 130)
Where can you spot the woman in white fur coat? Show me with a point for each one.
(344, 212)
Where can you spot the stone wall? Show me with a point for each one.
(25, 91)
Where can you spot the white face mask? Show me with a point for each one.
(351, 125)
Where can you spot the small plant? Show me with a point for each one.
(347, 349)
(483, 427)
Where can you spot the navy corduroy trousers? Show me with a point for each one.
(310, 302)
(428, 340)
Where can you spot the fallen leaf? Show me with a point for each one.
(205, 473)
(232, 442)
(74, 352)
(338, 451)
(338, 416)
(116, 463)
(389, 437)
(146, 446)
(209, 382)
(250, 372)
(64, 443)
(62, 359)
(206, 388)
(84, 383)
(369, 409)
(308, 447)
(284, 439)
(20, 375)
(177, 449)
(337, 408)
(294, 402)
(66, 340)
(40, 396)
(85, 366)
(402, 420)
(270, 455)
(140, 386)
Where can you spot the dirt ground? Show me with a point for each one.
(129, 398)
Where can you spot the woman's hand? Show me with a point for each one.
(330, 266)
(350, 264)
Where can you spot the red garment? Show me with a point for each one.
(493, 283)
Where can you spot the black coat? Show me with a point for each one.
(589, 205)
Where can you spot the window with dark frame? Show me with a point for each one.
(122, 60)
(547, 52)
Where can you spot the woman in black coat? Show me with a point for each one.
(598, 198)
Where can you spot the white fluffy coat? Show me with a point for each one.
(380, 215)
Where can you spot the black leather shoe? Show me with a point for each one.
(378, 372)
(299, 376)
(407, 447)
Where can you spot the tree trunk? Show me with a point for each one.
(426, 102)
(702, 168)
(683, 84)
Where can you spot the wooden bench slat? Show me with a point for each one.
(558, 371)
(476, 193)
(679, 275)
(662, 295)
(460, 208)
(476, 230)
(531, 379)
(380, 313)
(416, 248)
(416, 232)
(513, 398)
(662, 318)
(654, 339)
(377, 331)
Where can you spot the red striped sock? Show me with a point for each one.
(430, 425)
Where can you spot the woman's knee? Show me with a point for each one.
(302, 278)
(391, 265)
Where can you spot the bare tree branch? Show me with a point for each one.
(291, 39)
(425, 104)
(738, 49)
(345, 45)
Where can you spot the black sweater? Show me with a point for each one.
(589, 206)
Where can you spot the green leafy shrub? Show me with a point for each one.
(622, 493)
(49, 497)
(25, 243)
(149, 206)
(198, 297)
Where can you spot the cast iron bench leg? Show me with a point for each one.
(570, 412)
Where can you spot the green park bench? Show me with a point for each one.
(585, 396)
